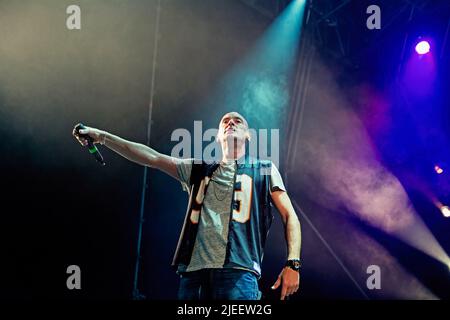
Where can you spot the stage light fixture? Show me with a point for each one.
(438, 169)
(423, 47)
(445, 211)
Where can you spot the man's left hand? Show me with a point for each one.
(289, 280)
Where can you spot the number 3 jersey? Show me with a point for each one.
(228, 215)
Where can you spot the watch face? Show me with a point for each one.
(294, 264)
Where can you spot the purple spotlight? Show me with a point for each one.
(423, 47)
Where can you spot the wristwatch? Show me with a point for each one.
(294, 264)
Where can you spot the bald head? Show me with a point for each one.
(233, 125)
(234, 115)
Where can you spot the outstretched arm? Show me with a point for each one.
(136, 152)
(288, 278)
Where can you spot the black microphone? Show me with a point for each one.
(91, 146)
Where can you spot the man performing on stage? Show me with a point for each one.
(220, 250)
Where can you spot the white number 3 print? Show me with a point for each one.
(243, 197)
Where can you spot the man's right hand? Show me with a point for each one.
(136, 152)
(96, 135)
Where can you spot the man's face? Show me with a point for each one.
(233, 126)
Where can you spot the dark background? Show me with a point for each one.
(60, 208)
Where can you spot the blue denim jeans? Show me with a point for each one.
(219, 284)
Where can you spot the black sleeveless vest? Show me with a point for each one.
(250, 214)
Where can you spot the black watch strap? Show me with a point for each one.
(294, 264)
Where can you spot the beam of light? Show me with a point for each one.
(341, 167)
(423, 47)
(259, 85)
(419, 236)
(402, 285)
(420, 73)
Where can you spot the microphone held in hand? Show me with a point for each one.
(91, 146)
